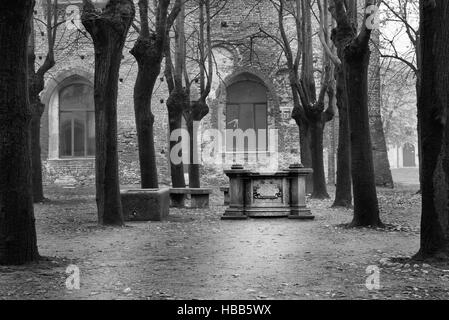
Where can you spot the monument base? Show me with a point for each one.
(278, 194)
(267, 212)
(234, 214)
(301, 214)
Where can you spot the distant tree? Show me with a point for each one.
(179, 95)
(433, 114)
(399, 104)
(36, 78)
(309, 109)
(353, 47)
(382, 171)
(343, 190)
(402, 16)
(108, 30)
(18, 243)
(149, 51)
(198, 109)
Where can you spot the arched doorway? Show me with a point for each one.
(409, 155)
(246, 109)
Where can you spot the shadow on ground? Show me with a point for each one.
(196, 255)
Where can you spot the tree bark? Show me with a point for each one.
(433, 105)
(179, 97)
(355, 53)
(35, 86)
(148, 51)
(197, 110)
(176, 103)
(382, 170)
(195, 113)
(18, 244)
(366, 209)
(343, 191)
(306, 151)
(319, 177)
(108, 30)
(36, 82)
(36, 160)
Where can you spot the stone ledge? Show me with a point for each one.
(192, 191)
(145, 204)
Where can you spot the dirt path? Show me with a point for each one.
(196, 255)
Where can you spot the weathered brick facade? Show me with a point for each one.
(235, 31)
(241, 52)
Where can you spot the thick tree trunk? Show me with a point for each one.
(306, 152)
(382, 170)
(149, 68)
(149, 51)
(331, 168)
(108, 31)
(380, 153)
(36, 83)
(366, 209)
(319, 177)
(176, 103)
(343, 192)
(194, 168)
(196, 112)
(18, 243)
(433, 105)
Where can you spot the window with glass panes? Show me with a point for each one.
(246, 108)
(76, 121)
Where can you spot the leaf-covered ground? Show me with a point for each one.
(196, 255)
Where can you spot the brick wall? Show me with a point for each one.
(235, 30)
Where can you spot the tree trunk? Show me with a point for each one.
(319, 177)
(306, 153)
(108, 31)
(382, 170)
(36, 161)
(176, 103)
(366, 209)
(433, 107)
(331, 169)
(18, 244)
(149, 69)
(194, 168)
(343, 192)
(195, 113)
(36, 82)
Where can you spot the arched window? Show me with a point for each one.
(76, 121)
(246, 109)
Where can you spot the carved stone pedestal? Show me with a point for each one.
(264, 195)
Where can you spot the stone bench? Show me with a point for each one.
(225, 191)
(145, 204)
(199, 197)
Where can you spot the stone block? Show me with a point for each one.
(145, 204)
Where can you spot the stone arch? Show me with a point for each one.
(62, 78)
(229, 80)
(50, 98)
(232, 49)
(218, 114)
